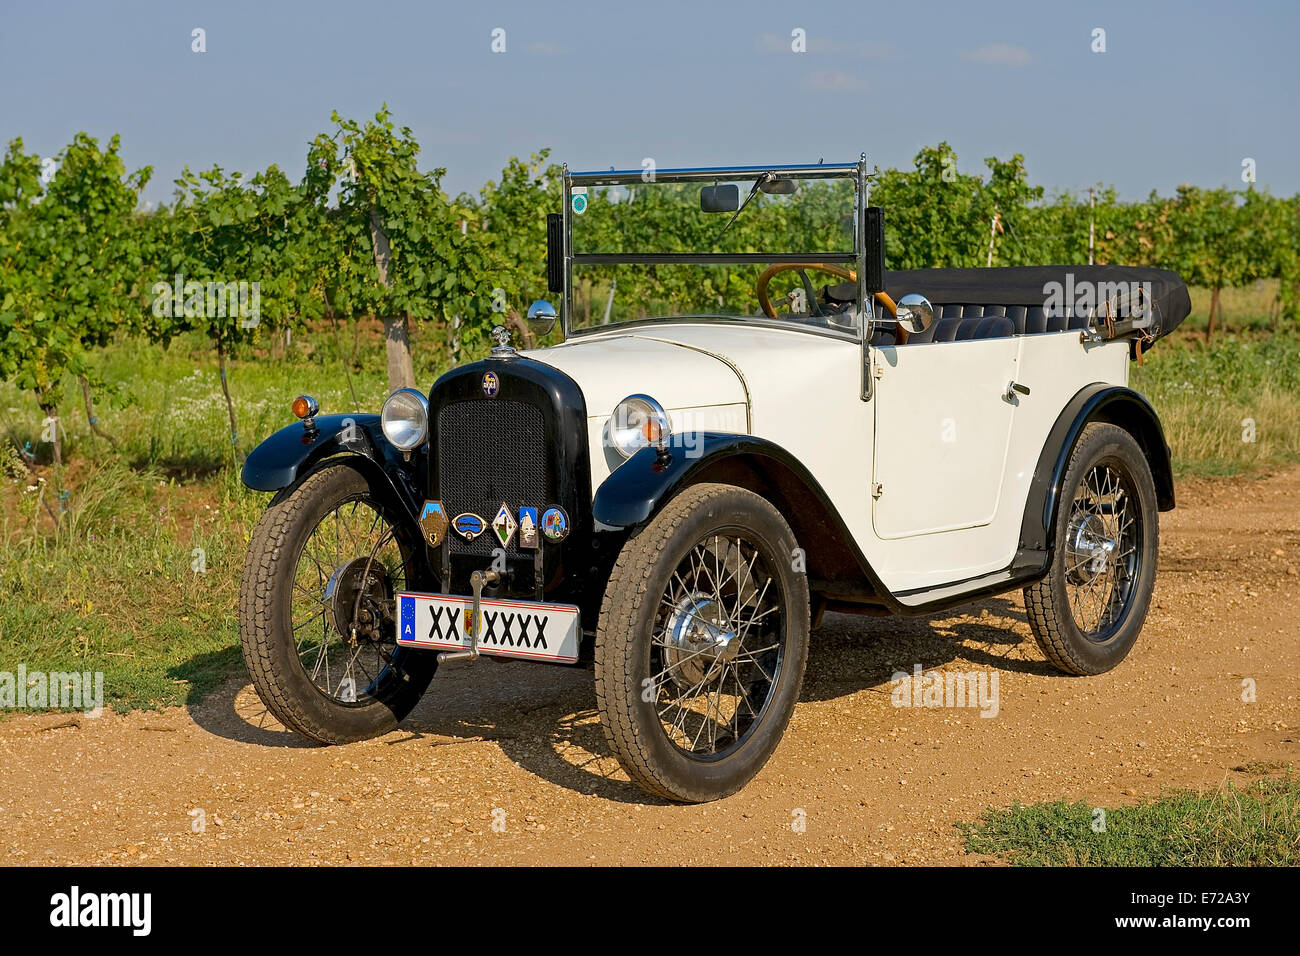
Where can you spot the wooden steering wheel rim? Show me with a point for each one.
(829, 267)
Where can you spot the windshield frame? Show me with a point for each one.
(855, 172)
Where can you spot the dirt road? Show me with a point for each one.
(870, 782)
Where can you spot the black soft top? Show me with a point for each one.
(1032, 286)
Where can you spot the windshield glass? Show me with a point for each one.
(763, 245)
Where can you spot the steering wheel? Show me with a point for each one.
(830, 268)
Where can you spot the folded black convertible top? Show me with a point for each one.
(1059, 289)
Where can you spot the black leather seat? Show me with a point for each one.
(953, 328)
(1028, 320)
(955, 322)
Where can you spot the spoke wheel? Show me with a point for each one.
(1087, 612)
(1102, 559)
(701, 644)
(348, 572)
(717, 649)
(317, 603)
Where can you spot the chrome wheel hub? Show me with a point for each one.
(697, 640)
(1088, 549)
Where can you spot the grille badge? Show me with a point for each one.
(433, 522)
(491, 384)
(555, 523)
(504, 525)
(469, 526)
(528, 528)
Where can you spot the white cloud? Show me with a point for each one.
(1000, 54)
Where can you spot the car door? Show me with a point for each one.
(943, 423)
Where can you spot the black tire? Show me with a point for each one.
(266, 606)
(645, 649)
(1087, 612)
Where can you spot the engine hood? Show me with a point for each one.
(609, 368)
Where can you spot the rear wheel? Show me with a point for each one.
(316, 610)
(1087, 613)
(701, 644)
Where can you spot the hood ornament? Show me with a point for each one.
(503, 348)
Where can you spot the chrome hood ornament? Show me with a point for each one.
(503, 348)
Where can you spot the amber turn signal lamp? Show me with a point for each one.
(304, 406)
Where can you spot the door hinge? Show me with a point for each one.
(877, 371)
(877, 490)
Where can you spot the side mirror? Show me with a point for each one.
(874, 234)
(915, 313)
(724, 198)
(541, 317)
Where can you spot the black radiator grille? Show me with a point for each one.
(490, 452)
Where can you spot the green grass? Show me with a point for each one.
(1256, 825)
(113, 588)
(1207, 399)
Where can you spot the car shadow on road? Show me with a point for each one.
(233, 711)
(544, 718)
(851, 652)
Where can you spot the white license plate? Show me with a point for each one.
(527, 629)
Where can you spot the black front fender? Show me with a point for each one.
(637, 490)
(283, 458)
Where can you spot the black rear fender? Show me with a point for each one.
(1116, 405)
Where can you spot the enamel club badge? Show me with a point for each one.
(528, 528)
(503, 525)
(469, 526)
(434, 523)
(555, 524)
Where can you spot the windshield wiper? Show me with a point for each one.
(767, 177)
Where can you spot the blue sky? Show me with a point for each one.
(1183, 93)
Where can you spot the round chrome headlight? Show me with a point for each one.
(637, 421)
(405, 419)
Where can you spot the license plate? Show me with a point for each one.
(527, 629)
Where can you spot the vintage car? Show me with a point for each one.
(718, 451)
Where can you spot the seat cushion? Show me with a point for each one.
(1025, 320)
(955, 329)
(991, 327)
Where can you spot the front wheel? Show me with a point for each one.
(1087, 613)
(316, 609)
(701, 644)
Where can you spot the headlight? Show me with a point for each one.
(405, 418)
(638, 421)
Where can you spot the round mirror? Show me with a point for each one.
(541, 317)
(915, 313)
